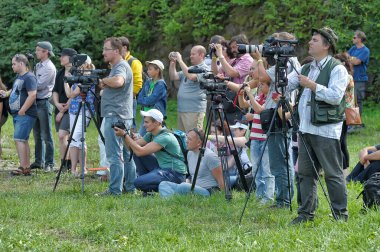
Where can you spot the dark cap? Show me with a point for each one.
(68, 52)
(328, 34)
(46, 45)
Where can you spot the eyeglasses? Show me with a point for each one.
(198, 133)
(107, 49)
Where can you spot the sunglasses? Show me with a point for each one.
(198, 133)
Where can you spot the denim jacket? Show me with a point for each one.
(158, 97)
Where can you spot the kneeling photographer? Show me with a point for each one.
(73, 92)
(167, 163)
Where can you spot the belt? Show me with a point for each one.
(43, 99)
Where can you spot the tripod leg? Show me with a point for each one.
(201, 154)
(67, 148)
(315, 170)
(95, 121)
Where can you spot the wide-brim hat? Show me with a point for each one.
(158, 63)
(328, 34)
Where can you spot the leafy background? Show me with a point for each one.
(156, 27)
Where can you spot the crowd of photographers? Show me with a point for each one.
(264, 92)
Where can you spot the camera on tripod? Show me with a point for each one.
(85, 77)
(209, 81)
(271, 47)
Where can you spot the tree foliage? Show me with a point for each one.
(156, 27)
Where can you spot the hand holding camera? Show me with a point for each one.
(173, 56)
(218, 50)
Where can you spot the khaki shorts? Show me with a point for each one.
(189, 120)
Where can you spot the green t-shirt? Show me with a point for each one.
(168, 161)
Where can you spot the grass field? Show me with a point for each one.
(33, 218)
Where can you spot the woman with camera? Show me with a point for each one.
(154, 91)
(75, 93)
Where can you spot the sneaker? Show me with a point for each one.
(105, 194)
(49, 168)
(35, 166)
(340, 217)
(21, 171)
(299, 220)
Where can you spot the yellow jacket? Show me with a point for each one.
(137, 73)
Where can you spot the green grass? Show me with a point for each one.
(34, 218)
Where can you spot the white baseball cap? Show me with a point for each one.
(239, 125)
(157, 63)
(154, 113)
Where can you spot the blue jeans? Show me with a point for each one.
(151, 175)
(118, 157)
(168, 189)
(42, 132)
(23, 126)
(264, 180)
(278, 167)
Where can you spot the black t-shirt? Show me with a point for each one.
(59, 88)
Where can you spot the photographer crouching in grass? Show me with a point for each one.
(167, 163)
(210, 175)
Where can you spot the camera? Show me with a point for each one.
(119, 124)
(209, 81)
(271, 47)
(83, 76)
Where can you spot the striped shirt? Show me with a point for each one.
(256, 131)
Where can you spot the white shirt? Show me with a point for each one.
(332, 94)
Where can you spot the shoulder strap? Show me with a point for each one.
(304, 71)
(167, 152)
(131, 59)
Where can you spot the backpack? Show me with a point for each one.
(181, 139)
(371, 191)
(144, 75)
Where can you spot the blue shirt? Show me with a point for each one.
(360, 71)
(155, 99)
(74, 104)
(19, 94)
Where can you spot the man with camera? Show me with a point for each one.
(158, 155)
(42, 132)
(276, 144)
(191, 98)
(321, 106)
(237, 68)
(61, 102)
(116, 106)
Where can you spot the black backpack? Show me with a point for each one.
(371, 191)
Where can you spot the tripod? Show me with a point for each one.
(84, 89)
(282, 81)
(216, 110)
